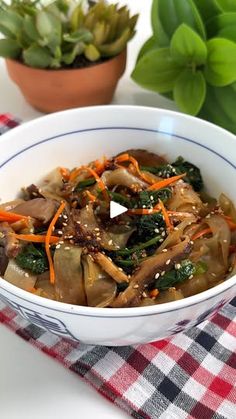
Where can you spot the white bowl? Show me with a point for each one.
(78, 136)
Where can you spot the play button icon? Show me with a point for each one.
(116, 209)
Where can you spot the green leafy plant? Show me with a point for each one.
(54, 35)
(191, 57)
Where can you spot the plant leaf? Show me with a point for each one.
(167, 15)
(9, 48)
(227, 5)
(69, 57)
(157, 71)
(219, 106)
(81, 35)
(228, 33)
(150, 44)
(36, 56)
(49, 28)
(208, 8)
(30, 29)
(218, 23)
(187, 46)
(221, 62)
(190, 91)
(10, 23)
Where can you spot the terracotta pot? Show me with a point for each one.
(55, 90)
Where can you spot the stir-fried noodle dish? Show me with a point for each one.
(58, 240)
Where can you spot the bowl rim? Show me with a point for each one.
(129, 311)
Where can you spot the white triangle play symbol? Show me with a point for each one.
(116, 209)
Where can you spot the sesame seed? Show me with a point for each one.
(157, 275)
(67, 248)
(191, 242)
(151, 198)
(59, 232)
(163, 234)
(163, 273)
(58, 246)
(120, 269)
(161, 240)
(136, 286)
(176, 228)
(110, 242)
(213, 274)
(99, 238)
(177, 266)
(168, 262)
(31, 230)
(144, 206)
(190, 277)
(61, 242)
(144, 294)
(64, 224)
(225, 241)
(193, 207)
(26, 274)
(156, 230)
(64, 216)
(109, 258)
(96, 229)
(208, 216)
(78, 222)
(164, 250)
(85, 225)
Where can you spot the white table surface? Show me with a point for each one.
(33, 386)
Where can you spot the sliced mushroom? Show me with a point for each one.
(10, 205)
(40, 209)
(146, 158)
(108, 266)
(8, 240)
(69, 284)
(147, 271)
(3, 260)
(100, 288)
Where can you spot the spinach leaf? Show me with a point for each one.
(185, 269)
(84, 184)
(182, 271)
(193, 176)
(33, 259)
(147, 199)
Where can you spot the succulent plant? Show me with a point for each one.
(55, 34)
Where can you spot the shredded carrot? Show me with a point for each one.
(47, 241)
(100, 183)
(90, 196)
(35, 238)
(165, 215)
(142, 211)
(201, 233)
(154, 293)
(100, 166)
(65, 173)
(11, 217)
(126, 157)
(165, 182)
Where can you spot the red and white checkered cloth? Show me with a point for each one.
(191, 375)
